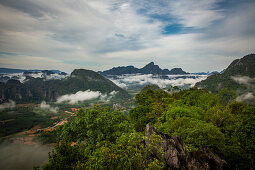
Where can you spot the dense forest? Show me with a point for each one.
(239, 77)
(103, 138)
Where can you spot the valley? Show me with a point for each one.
(127, 85)
(44, 114)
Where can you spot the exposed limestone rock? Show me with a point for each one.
(177, 156)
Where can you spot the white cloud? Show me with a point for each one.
(46, 106)
(120, 84)
(195, 13)
(10, 105)
(108, 97)
(249, 83)
(85, 95)
(245, 80)
(54, 76)
(113, 93)
(22, 77)
(144, 79)
(79, 96)
(245, 97)
(100, 34)
(190, 13)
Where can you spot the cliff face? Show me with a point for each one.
(177, 157)
(14, 90)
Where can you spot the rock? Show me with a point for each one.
(177, 156)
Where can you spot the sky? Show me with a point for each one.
(196, 35)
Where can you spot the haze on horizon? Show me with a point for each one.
(100, 34)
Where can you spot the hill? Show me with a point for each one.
(150, 68)
(38, 89)
(239, 77)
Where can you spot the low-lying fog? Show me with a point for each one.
(130, 81)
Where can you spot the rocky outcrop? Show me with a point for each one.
(177, 156)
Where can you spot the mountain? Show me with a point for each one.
(209, 73)
(150, 68)
(11, 70)
(177, 71)
(239, 76)
(121, 70)
(201, 73)
(39, 89)
(214, 72)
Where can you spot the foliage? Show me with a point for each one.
(20, 119)
(246, 130)
(150, 105)
(108, 139)
(226, 96)
(202, 119)
(48, 137)
(128, 153)
(103, 139)
(95, 125)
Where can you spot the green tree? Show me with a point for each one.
(246, 133)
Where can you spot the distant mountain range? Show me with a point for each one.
(38, 85)
(11, 70)
(150, 68)
(39, 89)
(239, 76)
(16, 74)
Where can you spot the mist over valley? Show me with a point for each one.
(127, 84)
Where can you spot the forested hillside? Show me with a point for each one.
(239, 77)
(100, 138)
(39, 89)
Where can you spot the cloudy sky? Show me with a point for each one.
(197, 35)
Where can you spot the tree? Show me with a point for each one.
(246, 133)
